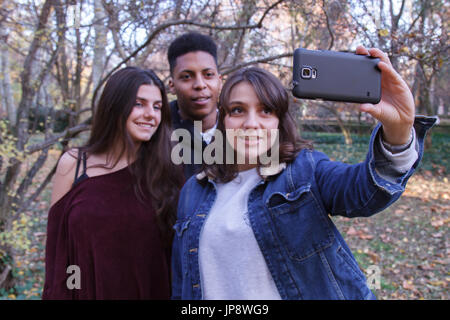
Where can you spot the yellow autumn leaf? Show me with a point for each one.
(404, 49)
(383, 32)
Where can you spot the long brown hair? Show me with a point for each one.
(154, 173)
(272, 95)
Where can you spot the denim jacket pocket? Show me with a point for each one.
(302, 227)
(280, 203)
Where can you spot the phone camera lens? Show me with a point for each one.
(306, 73)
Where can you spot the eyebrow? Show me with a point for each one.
(260, 104)
(146, 100)
(192, 71)
(237, 102)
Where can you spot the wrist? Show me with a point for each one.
(396, 137)
(396, 148)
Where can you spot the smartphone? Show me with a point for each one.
(336, 76)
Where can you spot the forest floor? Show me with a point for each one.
(407, 242)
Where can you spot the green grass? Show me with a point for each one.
(436, 159)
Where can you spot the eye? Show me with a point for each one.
(138, 104)
(210, 74)
(236, 110)
(185, 76)
(157, 106)
(267, 111)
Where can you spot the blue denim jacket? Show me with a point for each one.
(289, 215)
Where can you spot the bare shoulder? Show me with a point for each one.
(64, 175)
(67, 162)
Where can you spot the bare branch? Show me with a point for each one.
(330, 31)
(4, 274)
(262, 60)
(66, 134)
(166, 25)
(26, 182)
(26, 204)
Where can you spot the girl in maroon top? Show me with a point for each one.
(114, 200)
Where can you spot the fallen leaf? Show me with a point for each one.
(424, 267)
(408, 285)
(438, 283)
(364, 236)
(373, 256)
(352, 231)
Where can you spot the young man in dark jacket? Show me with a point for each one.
(196, 82)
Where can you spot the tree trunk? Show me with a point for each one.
(426, 105)
(100, 44)
(20, 128)
(345, 130)
(5, 81)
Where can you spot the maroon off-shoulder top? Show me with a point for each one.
(101, 227)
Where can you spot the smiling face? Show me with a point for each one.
(145, 116)
(196, 83)
(250, 125)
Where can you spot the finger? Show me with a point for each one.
(377, 53)
(389, 72)
(361, 50)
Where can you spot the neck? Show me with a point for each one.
(207, 122)
(120, 158)
(245, 167)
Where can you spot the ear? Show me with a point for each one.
(172, 87)
(220, 83)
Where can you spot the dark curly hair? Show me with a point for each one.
(190, 42)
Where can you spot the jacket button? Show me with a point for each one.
(193, 250)
(196, 285)
(287, 195)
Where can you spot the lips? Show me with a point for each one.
(146, 125)
(250, 140)
(201, 100)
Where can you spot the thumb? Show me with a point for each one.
(371, 109)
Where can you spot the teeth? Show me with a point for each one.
(145, 125)
(249, 137)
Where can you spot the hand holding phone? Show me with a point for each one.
(396, 110)
(347, 75)
(336, 76)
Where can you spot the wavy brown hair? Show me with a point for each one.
(272, 95)
(157, 179)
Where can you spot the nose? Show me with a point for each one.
(199, 83)
(251, 121)
(149, 112)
